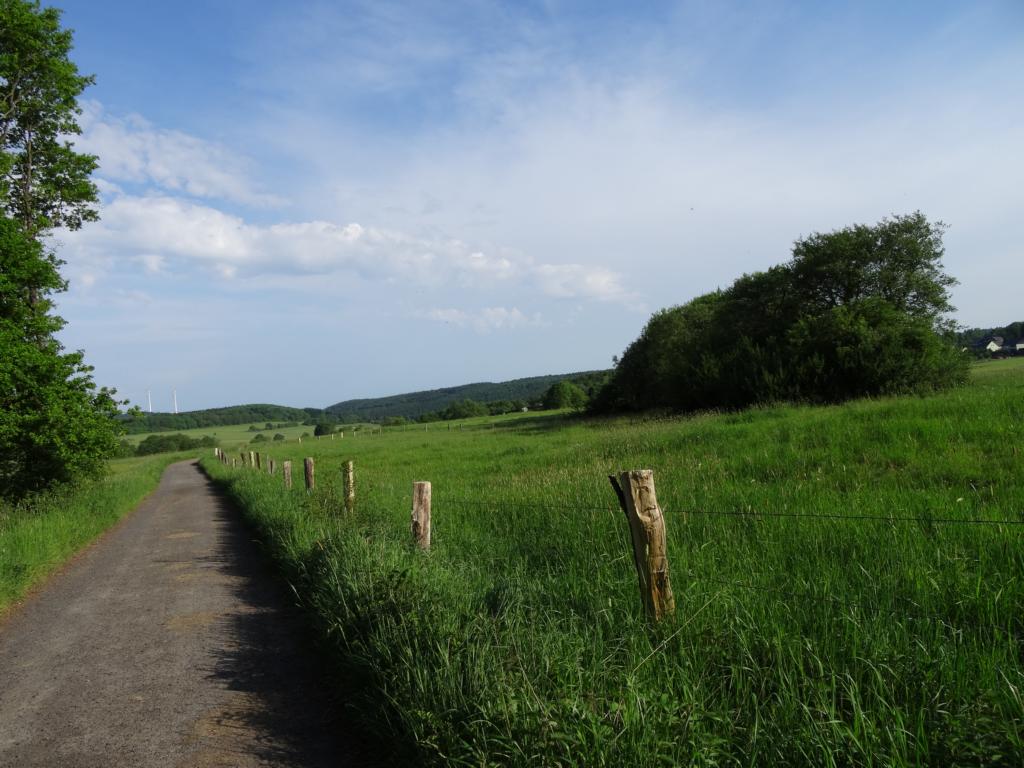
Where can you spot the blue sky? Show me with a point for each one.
(307, 202)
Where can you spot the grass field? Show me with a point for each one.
(230, 437)
(237, 436)
(843, 596)
(39, 536)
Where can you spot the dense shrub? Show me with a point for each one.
(164, 443)
(564, 394)
(861, 311)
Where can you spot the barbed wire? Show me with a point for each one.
(805, 596)
(741, 513)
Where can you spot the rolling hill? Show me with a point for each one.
(411, 405)
(415, 404)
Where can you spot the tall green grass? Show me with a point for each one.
(520, 638)
(40, 534)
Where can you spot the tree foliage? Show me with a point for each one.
(44, 182)
(174, 442)
(55, 424)
(431, 405)
(860, 311)
(281, 416)
(564, 394)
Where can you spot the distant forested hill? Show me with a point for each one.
(213, 417)
(411, 405)
(415, 404)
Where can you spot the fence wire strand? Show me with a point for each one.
(741, 513)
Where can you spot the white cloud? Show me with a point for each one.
(580, 281)
(130, 149)
(165, 234)
(153, 262)
(484, 320)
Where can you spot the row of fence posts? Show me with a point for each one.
(634, 489)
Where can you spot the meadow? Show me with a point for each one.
(848, 584)
(228, 436)
(38, 535)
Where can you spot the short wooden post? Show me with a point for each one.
(350, 487)
(273, 466)
(308, 466)
(300, 439)
(286, 470)
(635, 490)
(233, 463)
(342, 434)
(252, 458)
(259, 461)
(421, 514)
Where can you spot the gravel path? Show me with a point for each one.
(167, 643)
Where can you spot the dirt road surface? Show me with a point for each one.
(167, 643)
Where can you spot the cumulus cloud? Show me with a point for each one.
(131, 149)
(165, 234)
(484, 320)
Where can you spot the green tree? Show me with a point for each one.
(44, 182)
(55, 424)
(464, 409)
(859, 311)
(564, 394)
(323, 428)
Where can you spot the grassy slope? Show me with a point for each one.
(237, 436)
(36, 539)
(519, 638)
(230, 437)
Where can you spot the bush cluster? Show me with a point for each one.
(856, 312)
(164, 443)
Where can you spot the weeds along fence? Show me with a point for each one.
(645, 520)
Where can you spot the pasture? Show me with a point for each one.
(848, 584)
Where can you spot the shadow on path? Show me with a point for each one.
(282, 710)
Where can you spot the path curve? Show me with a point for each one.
(167, 643)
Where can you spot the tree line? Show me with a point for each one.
(138, 423)
(56, 424)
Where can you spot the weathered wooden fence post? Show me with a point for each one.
(272, 467)
(233, 463)
(300, 439)
(252, 458)
(421, 514)
(286, 470)
(259, 462)
(635, 490)
(308, 466)
(350, 487)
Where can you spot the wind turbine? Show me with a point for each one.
(174, 392)
(149, 398)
